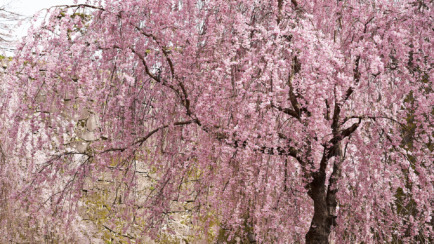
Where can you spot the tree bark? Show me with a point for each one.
(320, 227)
(324, 199)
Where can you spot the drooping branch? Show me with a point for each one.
(373, 118)
(242, 144)
(80, 6)
(165, 53)
(184, 98)
(140, 141)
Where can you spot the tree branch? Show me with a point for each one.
(286, 111)
(147, 136)
(373, 118)
(79, 6)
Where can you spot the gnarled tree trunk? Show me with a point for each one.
(324, 198)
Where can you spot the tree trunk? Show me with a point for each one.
(320, 226)
(325, 203)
